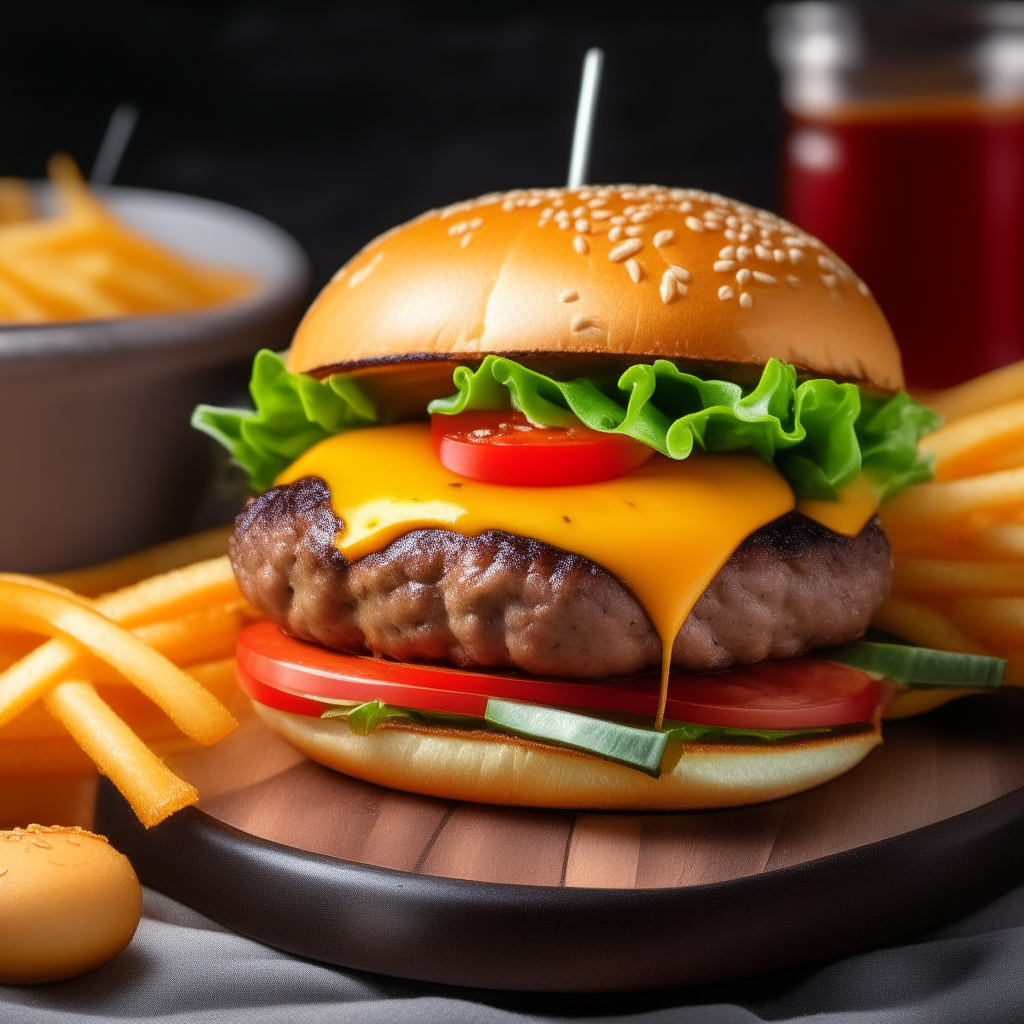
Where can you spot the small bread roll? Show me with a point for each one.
(68, 903)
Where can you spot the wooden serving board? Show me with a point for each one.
(930, 825)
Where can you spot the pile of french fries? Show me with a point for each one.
(139, 663)
(959, 540)
(85, 264)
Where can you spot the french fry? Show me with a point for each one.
(981, 393)
(949, 506)
(998, 620)
(975, 444)
(197, 713)
(151, 788)
(1003, 539)
(15, 201)
(924, 626)
(207, 635)
(162, 558)
(937, 576)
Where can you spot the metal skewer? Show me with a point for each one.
(586, 109)
(115, 141)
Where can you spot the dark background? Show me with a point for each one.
(337, 120)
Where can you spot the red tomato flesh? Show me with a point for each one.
(502, 447)
(804, 693)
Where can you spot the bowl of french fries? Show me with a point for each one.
(120, 310)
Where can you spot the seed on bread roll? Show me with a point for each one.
(620, 273)
(68, 903)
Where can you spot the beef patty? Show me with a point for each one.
(499, 600)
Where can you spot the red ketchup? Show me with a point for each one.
(925, 200)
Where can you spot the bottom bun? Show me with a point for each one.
(490, 768)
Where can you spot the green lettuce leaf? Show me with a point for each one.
(292, 413)
(819, 434)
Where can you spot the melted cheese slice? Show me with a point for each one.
(665, 530)
(858, 502)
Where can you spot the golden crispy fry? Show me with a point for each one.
(981, 393)
(998, 620)
(1003, 539)
(957, 579)
(949, 506)
(924, 626)
(197, 713)
(208, 635)
(151, 788)
(121, 572)
(975, 444)
(15, 201)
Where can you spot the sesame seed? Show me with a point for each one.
(615, 234)
(746, 300)
(731, 235)
(724, 266)
(466, 239)
(863, 289)
(742, 276)
(633, 230)
(742, 253)
(477, 222)
(727, 253)
(580, 322)
(580, 211)
(665, 237)
(826, 264)
(601, 214)
(732, 221)
(760, 275)
(694, 224)
(619, 220)
(639, 218)
(762, 252)
(829, 280)
(795, 255)
(685, 206)
(634, 271)
(793, 281)
(457, 229)
(508, 206)
(680, 273)
(629, 210)
(569, 295)
(582, 225)
(779, 255)
(628, 248)
(558, 202)
(595, 204)
(668, 287)
(565, 224)
(535, 201)
(725, 292)
(579, 243)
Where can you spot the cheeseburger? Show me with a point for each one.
(567, 498)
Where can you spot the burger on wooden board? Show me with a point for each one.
(567, 498)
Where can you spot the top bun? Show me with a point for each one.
(630, 272)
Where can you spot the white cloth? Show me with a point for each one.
(182, 967)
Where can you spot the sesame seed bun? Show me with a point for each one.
(493, 769)
(619, 274)
(68, 903)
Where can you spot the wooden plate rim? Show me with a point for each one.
(496, 935)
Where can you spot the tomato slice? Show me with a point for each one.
(502, 447)
(803, 693)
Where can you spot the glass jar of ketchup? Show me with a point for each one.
(905, 154)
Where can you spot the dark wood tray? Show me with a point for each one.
(928, 827)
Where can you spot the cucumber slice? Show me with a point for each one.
(642, 749)
(914, 667)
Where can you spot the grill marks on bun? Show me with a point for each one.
(678, 273)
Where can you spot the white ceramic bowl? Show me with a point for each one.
(97, 457)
